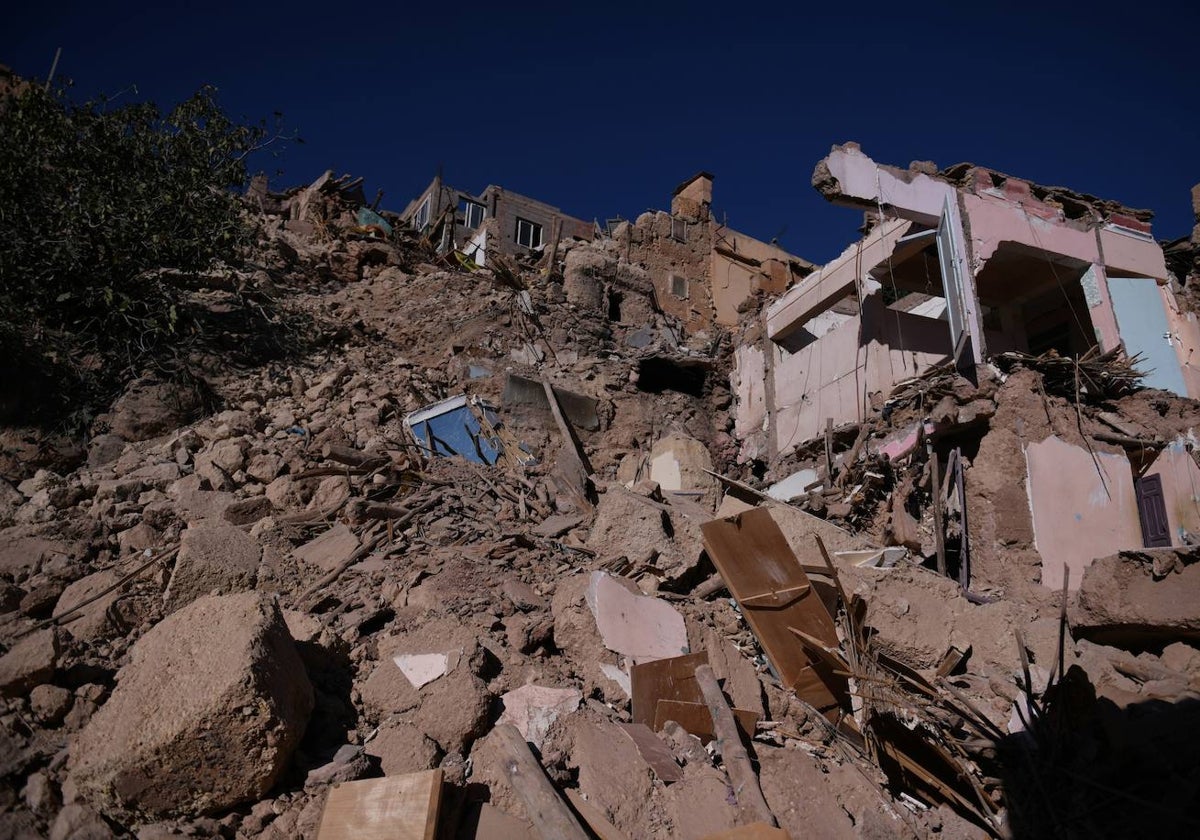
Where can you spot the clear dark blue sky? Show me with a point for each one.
(602, 109)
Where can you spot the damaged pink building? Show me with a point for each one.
(957, 266)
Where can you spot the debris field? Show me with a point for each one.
(505, 554)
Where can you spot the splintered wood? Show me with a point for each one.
(766, 578)
(391, 808)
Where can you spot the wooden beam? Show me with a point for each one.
(752, 806)
(551, 818)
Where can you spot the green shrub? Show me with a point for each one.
(92, 198)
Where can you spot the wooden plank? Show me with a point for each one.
(753, 557)
(392, 808)
(657, 754)
(752, 805)
(551, 818)
(664, 679)
(696, 719)
(594, 817)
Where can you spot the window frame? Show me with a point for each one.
(534, 228)
(679, 229)
(423, 210)
(674, 279)
(469, 206)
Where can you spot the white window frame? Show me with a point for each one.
(470, 209)
(536, 234)
(420, 219)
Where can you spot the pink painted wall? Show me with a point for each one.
(993, 220)
(860, 178)
(1181, 489)
(1125, 254)
(834, 376)
(1075, 519)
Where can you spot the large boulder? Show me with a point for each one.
(205, 716)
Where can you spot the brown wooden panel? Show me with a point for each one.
(392, 808)
(697, 719)
(664, 679)
(766, 578)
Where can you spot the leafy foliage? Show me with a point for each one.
(94, 198)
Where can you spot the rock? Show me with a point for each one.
(205, 715)
(522, 596)
(330, 549)
(454, 710)
(93, 621)
(150, 408)
(39, 794)
(77, 821)
(50, 703)
(29, 663)
(1140, 596)
(533, 708)
(284, 493)
(348, 763)
(402, 748)
(212, 557)
(627, 527)
(229, 455)
(104, 449)
(248, 511)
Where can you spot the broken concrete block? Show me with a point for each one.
(402, 748)
(212, 557)
(613, 775)
(29, 663)
(627, 527)
(205, 715)
(638, 626)
(454, 710)
(1139, 596)
(330, 549)
(533, 708)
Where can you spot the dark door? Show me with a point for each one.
(1152, 510)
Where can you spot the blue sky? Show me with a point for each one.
(603, 108)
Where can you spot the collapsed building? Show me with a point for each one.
(649, 531)
(959, 267)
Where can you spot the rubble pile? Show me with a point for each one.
(489, 553)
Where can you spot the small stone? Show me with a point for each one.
(50, 703)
